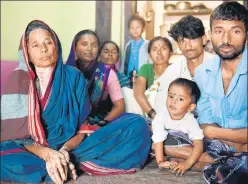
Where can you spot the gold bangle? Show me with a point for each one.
(46, 157)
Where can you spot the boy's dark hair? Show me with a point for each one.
(187, 27)
(194, 91)
(137, 18)
(230, 11)
(166, 40)
(106, 42)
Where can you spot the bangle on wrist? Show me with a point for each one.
(103, 123)
(160, 163)
(151, 113)
(47, 155)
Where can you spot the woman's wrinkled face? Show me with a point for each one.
(41, 48)
(160, 52)
(87, 48)
(109, 54)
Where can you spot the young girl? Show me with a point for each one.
(177, 117)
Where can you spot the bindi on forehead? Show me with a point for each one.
(160, 44)
(92, 40)
(89, 40)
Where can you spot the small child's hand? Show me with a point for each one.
(173, 164)
(164, 165)
(167, 164)
(181, 167)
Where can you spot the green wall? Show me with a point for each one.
(65, 18)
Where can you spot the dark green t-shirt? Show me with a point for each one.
(147, 72)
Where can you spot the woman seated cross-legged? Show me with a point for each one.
(104, 88)
(107, 107)
(44, 111)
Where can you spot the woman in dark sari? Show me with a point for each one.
(104, 88)
(43, 113)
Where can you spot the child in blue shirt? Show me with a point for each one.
(135, 51)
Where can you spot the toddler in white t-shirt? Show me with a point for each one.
(181, 101)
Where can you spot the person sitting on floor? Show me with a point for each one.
(153, 79)
(222, 107)
(109, 55)
(189, 33)
(44, 110)
(106, 96)
(177, 119)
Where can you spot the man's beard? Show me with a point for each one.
(236, 52)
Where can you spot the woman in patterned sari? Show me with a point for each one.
(104, 88)
(43, 113)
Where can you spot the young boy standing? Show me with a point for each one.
(135, 51)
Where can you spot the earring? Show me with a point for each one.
(75, 56)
